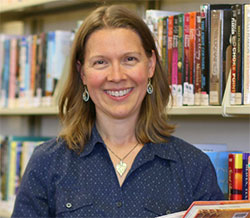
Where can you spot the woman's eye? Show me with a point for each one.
(131, 58)
(99, 62)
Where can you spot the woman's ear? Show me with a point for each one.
(79, 70)
(152, 64)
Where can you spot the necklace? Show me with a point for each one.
(122, 166)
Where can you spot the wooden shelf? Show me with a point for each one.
(53, 110)
(6, 208)
(195, 110)
(23, 4)
(238, 110)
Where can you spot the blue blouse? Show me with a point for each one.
(164, 178)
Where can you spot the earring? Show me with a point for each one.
(85, 94)
(150, 88)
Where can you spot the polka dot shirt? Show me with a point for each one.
(164, 178)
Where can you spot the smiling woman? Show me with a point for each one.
(115, 156)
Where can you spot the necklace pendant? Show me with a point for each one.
(121, 168)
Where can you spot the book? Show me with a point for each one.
(245, 173)
(215, 73)
(246, 66)
(186, 58)
(170, 47)
(239, 57)
(175, 59)
(180, 64)
(235, 176)
(192, 32)
(197, 66)
(225, 209)
(248, 178)
(220, 209)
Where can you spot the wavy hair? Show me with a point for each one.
(78, 117)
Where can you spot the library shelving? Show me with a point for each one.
(197, 124)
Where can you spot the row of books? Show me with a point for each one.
(199, 49)
(31, 66)
(15, 153)
(232, 169)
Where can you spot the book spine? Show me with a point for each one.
(215, 60)
(226, 46)
(180, 65)
(164, 42)
(186, 58)
(235, 176)
(175, 60)
(13, 72)
(6, 72)
(204, 58)
(18, 166)
(234, 55)
(192, 32)
(248, 178)
(247, 55)
(245, 176)
(160, 35)
(197, 90)
(170, 47)
(239, 65)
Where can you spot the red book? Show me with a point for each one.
(192, 32)
(235, 176)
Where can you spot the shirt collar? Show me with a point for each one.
(150, 150)
(94, 139)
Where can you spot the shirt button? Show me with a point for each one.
(168, 212)
(68, 205)
(119, 204)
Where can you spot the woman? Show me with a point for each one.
(115, 156)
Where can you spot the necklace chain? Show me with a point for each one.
(121, 159)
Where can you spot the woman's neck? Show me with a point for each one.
(117, 132)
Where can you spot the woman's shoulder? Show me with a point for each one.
(184, 150)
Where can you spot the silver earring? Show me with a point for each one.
(85, 94)
(150, 88)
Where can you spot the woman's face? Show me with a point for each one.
(116, 71)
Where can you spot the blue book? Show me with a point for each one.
(245, 176)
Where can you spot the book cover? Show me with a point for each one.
(246, 66)
(235, 176)
(245, 173)
(186, 58)
(225, 209)
(4, 167)
(215, 77)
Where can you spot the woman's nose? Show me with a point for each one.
(116, 73)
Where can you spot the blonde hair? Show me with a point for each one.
(78, 117)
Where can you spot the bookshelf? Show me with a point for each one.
(196, 124)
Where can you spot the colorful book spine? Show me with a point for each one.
(246, 66)
(170, 47)
(245, 176)
(234, 55)
(186, 58)
(204, 58)
(180, 65)
(235, 176)
(197, 67)
(192, 32)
